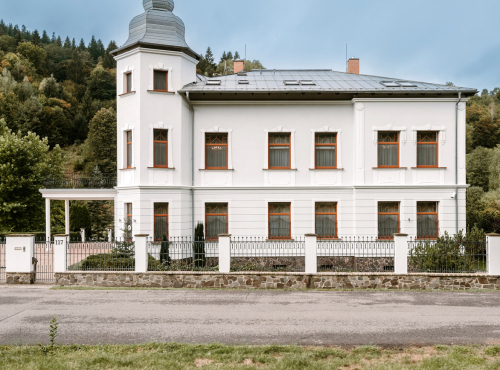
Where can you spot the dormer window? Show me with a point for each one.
(160, 81)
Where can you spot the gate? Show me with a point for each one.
(44, 253)
(3, 273)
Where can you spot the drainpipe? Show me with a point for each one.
(192, 165)
(456, 160)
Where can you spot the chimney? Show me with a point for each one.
(353, 66)
(239, 65)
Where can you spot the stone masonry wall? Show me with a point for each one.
(20, 278)
(292, 281)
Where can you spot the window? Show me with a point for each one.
(128, 82)
(216, 151)
(128, 210)
(427, 149)
(279, 151)
(326, 148)
(279, 221)
(388, 219)
(427, 220)
(215, 220)
(326, 220)
(388, 149)
(129, 149)
(160, 81)
(161, 221)
(160, 143)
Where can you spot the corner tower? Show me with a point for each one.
(154, 121)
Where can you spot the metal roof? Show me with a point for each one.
(157, 27)
(314, 81)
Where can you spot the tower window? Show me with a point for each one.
(160, 81)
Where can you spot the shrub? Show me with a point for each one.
(200, 259)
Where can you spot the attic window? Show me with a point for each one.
(291, 82)
(308, 82)
(390, 84)
(406, 84)
(243, 82)
(214, 82)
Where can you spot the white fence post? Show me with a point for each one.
(61, 243)
(401, 254)
(224, 253)
(311, 246)
(19, 253)
(493, 253)
(82, 234)
(141, 253)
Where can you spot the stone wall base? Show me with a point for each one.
(20, 278)
(292, 281)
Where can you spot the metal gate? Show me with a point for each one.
(3, 264)
(44, 254)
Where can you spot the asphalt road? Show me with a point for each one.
(249, 317)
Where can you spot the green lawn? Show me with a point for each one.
(180, 356)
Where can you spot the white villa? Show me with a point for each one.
(277, 153)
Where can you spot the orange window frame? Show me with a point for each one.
(289, 214)
(429, 143)
(128, 80)
(327, 214)
(429, 213)
(324, 145)
(129, 149)
(154, 148)
(215, 238)
(207, 145)
(157, 215)
(388, 143)
(154, 80)
(391, 214)
(289, 151)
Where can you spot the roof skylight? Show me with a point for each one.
(407, 84)
(390, 84)
(214, 82)
(291, 82)
(243, 82)
(308, 82)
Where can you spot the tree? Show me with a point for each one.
(51, 88)
(200, 259)
(102, 129)
(101, 217)
(223, 57)
(82, 46)
(36, 38)
(478, 168)
(35, 54)
(93, 49)
(79, 67)
(45, 38)
(102, 84)
(7, 43)
(79, 217)
(67, 43)
(108, 61)
(236, 56)
(229, 56)
(251, 65)
(25, 162)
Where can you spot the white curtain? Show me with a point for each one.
(427, 155)
(279, 156)
(388, 155)
(217, 156)
(325, 156)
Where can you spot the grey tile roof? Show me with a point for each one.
(322, 81)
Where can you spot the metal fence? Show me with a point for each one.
(447, 255)
(44, 255)
(78, 181)
(263, 254)
(3, 273)
(356, 254)
(183, 254)
(118, 255)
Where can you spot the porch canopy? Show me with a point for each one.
(72, 194)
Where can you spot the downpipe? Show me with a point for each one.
(192, 165)
(456, 160)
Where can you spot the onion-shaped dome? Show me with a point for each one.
(158, 27)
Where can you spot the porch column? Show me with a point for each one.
(47, 219)
(66, 216)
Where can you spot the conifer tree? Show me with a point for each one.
(223, 57)
(73, 44)
(93, 49)
(45, 38)
(229, 56)
(36, 38)
(102, 129)
(53, 39)
(82, 46)
(236, 56)
(108, 61)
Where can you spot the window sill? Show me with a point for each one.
(222, 169)
(390, 168)
(127, 169)
(161, 92)
(279, 169)
(161, 168)
(326, 169)
(428, 168)
(128, 93)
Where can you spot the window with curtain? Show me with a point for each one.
(216, 151)
(326, 220)
(279, 221)
(128, 209)
(388, 149)
(427, 220)
(160, 81)
(128, 82)
(427, 149)
(279, 151)
(215, 220)
(326, 150)
(161, 221)
(129, 149)
(160, 144)
(388, 219)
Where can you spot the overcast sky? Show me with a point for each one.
(425, 40)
